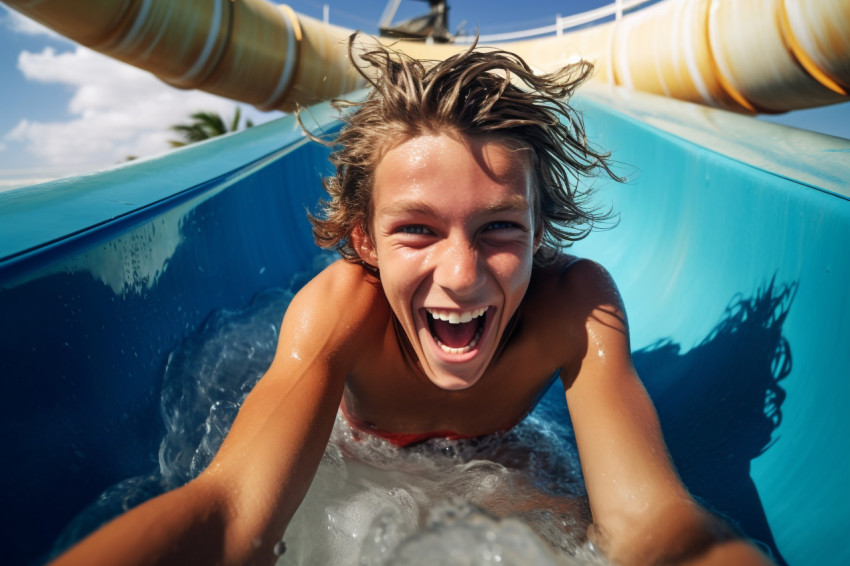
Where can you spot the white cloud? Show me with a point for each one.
(117, 110)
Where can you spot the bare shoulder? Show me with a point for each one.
(343, 287)
(572, 303)
(338, 311)
(340, 281)
(575, 288)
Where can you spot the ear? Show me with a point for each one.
(538, 238)
(363, 245)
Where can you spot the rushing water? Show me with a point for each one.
(508, 498)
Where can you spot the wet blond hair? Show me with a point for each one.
(474, 93)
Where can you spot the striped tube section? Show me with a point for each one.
(247, 50)
(665, 49)
(743, 55)
(818, 33)
(754, 58)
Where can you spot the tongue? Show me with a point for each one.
(455, 335)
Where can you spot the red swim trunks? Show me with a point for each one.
(401, 439)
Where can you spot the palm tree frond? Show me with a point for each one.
(206, 125)
(234, 124)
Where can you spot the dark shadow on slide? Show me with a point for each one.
(720, 402)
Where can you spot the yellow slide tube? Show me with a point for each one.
(247, 50)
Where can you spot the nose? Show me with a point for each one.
(459, 270)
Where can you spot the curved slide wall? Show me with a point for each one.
(731, 253)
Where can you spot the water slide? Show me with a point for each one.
(730, 253)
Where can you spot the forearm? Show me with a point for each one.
(642, 513)
(681, 534)
(184, 526)
(269, 475)
(237, 509)
(234, 512)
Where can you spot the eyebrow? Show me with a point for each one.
(514, 203)
(407, 207)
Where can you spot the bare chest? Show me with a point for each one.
(391, 394)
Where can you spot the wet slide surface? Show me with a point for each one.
(730, 253)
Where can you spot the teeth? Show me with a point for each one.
(456, 351)
(454, 317)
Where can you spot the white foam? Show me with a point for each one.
(479, 501)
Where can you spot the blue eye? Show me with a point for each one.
(414, 229)
(501, 225)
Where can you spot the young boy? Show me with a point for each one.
(451, 311)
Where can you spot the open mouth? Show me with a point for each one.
(456, 332)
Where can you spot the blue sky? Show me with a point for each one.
(67, 110)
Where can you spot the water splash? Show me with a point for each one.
(208, 377)
(442, 502)
(507, 498)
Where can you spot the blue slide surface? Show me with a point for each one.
(730, 252)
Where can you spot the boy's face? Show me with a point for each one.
(453, 236)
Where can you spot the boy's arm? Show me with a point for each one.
(237, 509)
(642, 512)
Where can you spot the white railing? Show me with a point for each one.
(561, 24)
